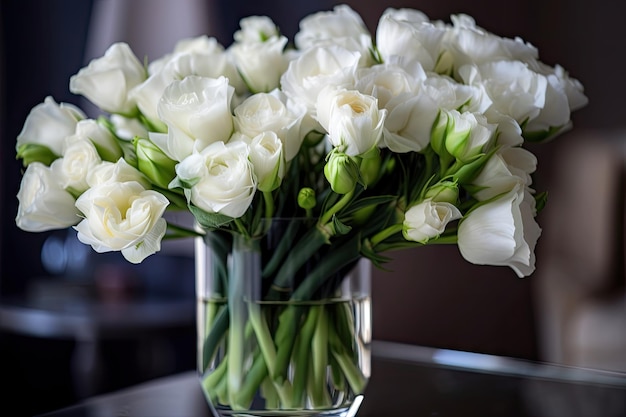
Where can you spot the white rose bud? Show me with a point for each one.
(428, 219)
(48, 124)
(502, 232)
(256, 29)
(43, 202)
(266, 154)
(101, 137)
(468, 134)
(122, 217)
(220, 179)
(196, 109)
(72, 170)
(353, 121)
(106, 81)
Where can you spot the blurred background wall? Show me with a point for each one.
(572, 310)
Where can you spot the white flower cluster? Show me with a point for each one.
(220, 126)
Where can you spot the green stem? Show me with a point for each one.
(289, 319)
(301, 356)
(174, 231)
(343, 201)
(269, 204)
(319, 361)
(385, 233)
(347, 363)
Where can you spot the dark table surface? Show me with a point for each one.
(411, 381)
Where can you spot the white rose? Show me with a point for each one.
(428, 219)
(220, 179)
(502, 232)
(266, 155)
(342, 26)
(202, 45)
(107, 80)
(317, 68)
(197, 112)
(205, 59)
(504, 170)
(353, 121)
(122, 217)
(48, 124)
(404, 41)
(260, 64)
(409, 122)
(514, 89)
(100, 136)
(256, 29)
(72, 169)
(274, 112)
(43, 202)
(115, 172)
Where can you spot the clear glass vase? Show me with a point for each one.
(284, 324)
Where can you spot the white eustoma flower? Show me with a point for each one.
(43, 202)
(514, 89)
(274, 112)
(79, 158)
(122, 217)
(502, 232)
(403, 37)
(201, 56)
(115, 172)
(504, 170)
(317, 68)
(386, 81)
(260, 64)
(219, 179)
(107, 80)
(428, 219)
(467, 43)
(353, 121)
(409, 121)
(342, 26)
(451, 95)
(100, 136)
(266, 155)
(48, 124)
(197, 113)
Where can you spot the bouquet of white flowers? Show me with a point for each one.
(410, 137)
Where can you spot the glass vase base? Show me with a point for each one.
(350, 411)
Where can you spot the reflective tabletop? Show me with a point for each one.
(411, 381)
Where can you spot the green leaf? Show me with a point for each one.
(31, 152)
(340, 228)
(209, 220)
(541, 199)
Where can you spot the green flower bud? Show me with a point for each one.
(306, 198)
(438, 133)
(342, 172)
(443, 192)
(32, 152)
(153, 163)
(370, 166)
